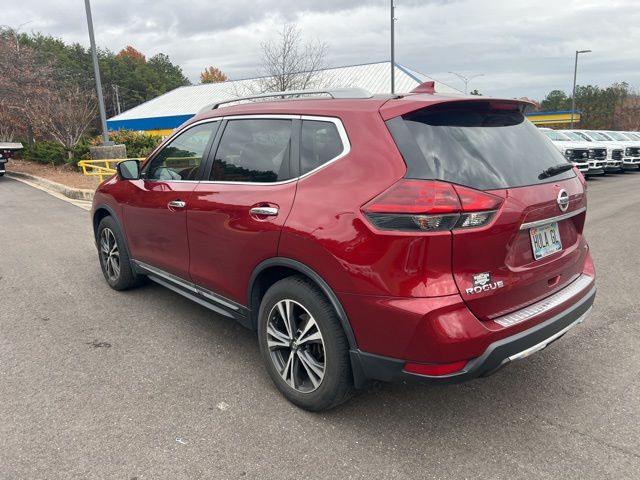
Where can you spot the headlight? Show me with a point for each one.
(592, 153)
(627, 151)
(568, 153)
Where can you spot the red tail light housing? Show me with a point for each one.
(430, 206)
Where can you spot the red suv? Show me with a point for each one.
(418, 237)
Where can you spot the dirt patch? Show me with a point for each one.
(63, 174)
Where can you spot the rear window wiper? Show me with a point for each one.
(555, 170)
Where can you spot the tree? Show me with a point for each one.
(63, 114)
(290, 64)
(212, 75)
(599, 107)
(555, 101)
(133, 54)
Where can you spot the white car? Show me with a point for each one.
(576, 152)
(615, 160)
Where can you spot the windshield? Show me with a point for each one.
(617, 136)
(595, 136)
(555, 136)
(577, 137)
(632, 136)
(481, 145)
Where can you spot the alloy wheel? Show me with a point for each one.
(296, 346)
(110, 254)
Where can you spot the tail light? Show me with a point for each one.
(430, 206)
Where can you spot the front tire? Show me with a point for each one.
(114, 256)
(303, 345)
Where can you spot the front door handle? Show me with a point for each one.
(176, 204)
(266, 211)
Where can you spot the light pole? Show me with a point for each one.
(575, 74)
(96, 71)
(466, 80)
(393, 53)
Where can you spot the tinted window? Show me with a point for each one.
(320, 143)
(482, 145)
(253, 151)
(181, 158)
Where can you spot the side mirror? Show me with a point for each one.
(129, 170)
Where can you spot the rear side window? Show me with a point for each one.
(253, 150)
(482, 145)
(320, 144)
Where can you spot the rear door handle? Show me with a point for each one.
(176, 204)
(266, 211)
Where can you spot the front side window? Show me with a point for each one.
(320, 144)
(180, 159)
(253, 150)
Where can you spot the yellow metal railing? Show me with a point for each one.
(106, 168)
(101, 168)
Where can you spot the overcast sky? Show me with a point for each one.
(522, 47)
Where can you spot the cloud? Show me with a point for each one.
(523, 48)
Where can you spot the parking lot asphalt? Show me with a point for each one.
(148, 385)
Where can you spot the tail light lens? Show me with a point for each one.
(430, 206)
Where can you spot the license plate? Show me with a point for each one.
(545, 240)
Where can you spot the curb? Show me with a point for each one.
(69, 192)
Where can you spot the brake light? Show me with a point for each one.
(430, 206)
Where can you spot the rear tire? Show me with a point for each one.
(114, 256)
(304, 346)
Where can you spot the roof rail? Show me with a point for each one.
(333, 93)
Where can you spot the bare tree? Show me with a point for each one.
(64, 114)
(288, 63)
(34, 99)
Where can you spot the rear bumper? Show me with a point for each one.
(497, 354)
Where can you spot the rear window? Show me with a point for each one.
(485, 146)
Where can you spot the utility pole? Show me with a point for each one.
(466, 80)
(96, 71)
(575, 74)
(393, 48)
